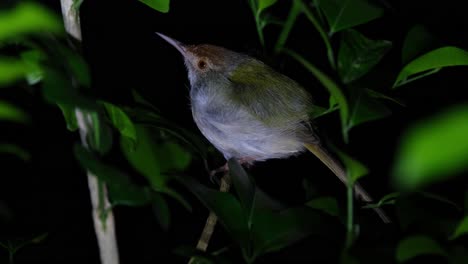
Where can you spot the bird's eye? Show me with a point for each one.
(202, 64)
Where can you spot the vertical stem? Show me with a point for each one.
(212, 219)
(323, 34)
(104, 228)
(293, 13)
(349, 218)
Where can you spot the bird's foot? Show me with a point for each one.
(246, 162)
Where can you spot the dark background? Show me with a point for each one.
(49, 194)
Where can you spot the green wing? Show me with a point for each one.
(269, 95)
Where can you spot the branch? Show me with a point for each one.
(103, 226)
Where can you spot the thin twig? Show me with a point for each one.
(103, 226)
(212, 219)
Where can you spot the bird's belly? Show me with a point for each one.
(239, 135)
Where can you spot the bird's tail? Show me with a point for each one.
(335, 166)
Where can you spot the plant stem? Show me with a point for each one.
(349, 218)
(292, 16)
(212, 219)
(105, 229)
(323, 34)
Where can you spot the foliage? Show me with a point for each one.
(160, 151)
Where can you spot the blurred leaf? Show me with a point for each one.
(354, 168)
(274, 231)
(173, 157)
(144, 157)
(319, 111)
(69, 116)
(121, 189)
(343, 14)
(358, 55)
(77, 4)
(434, 149)
(100, 138)
(32, 58)
(77, 66)
(121, 121)
(430, 63)
(387, 199)
(28, 17)
(364, 108)
(9, 112)
(328, 205)
(330, 85)
(161, 210)
(158, 5)
(440, 199)
(462, 229)
(170, 192)
(12, 70)
(414, 246)
(15, 150)
(153, 120)
(417, 41)
(378, 95)
(58, 89)
(141, 100)
(155, 160)
(225, 206)
(264, 4)
(244, 186)
(264, 201)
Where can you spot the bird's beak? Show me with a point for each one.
(177, 44)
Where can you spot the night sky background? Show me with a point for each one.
(49, 194)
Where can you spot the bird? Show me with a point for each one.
(251, 112)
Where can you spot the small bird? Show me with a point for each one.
(250, 112)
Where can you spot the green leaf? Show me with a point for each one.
(100, 136)
(153, 120)
(77, 66)
(244, 186)
(354, 168)
(58, 89)
(387, 199)
(430, 63)
(158, 5)
(417, 41)
(224, 205)
(364, 108)
(121, 189)
(462, 229)
(9, 112)
(173, 157)
(33, 59)
(161, 210)
(264, 4)
(273, 231)
(12, 70)
(26, 18)
(434, 149)
(330, 85)
(343, 14)
(358, 55)
(69, 116)
(328, 205)
(144, 157)
(15, 150)
(414, 246)
(121, 121)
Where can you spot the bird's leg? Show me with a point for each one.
(246, 162)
